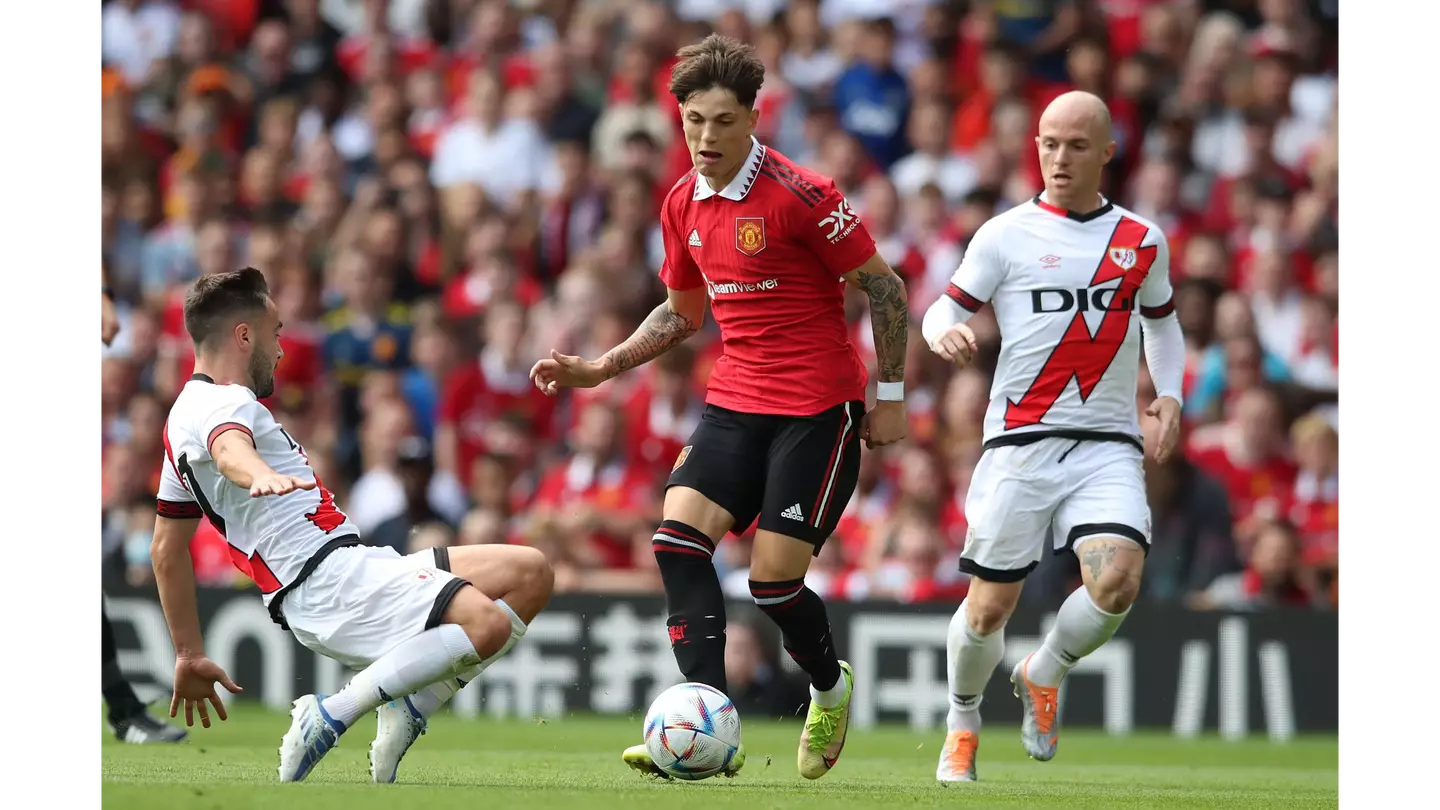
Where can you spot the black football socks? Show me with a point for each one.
(696, 605)
(800, 614)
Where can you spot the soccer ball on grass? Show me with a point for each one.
(692, 731)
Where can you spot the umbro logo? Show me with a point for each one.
(794, 513)
(1050, 261)
(695, 239)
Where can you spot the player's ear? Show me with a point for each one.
(754, 118)
(1109, 152)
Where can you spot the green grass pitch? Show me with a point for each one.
(574, 764)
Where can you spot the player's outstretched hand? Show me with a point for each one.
(1167, 410)
(956, 345)
(195, 680)
(566, 371)
(276, 484)
(886, 423)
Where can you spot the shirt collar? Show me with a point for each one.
(740, 186)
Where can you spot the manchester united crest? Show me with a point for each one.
(750, 235)
(1124, 257)
(680, 459)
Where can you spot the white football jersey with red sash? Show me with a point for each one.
(1068, 291)
(271, 538)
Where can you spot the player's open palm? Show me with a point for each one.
(565, 371)
(195, 680)
(955, 345)
(274, 483)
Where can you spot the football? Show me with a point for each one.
(692, 731)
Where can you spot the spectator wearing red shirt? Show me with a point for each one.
(1315, 507)
(1273, 578)
(1247, 455)
(594, 508)
(479, 393)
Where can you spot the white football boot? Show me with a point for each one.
(398, 726)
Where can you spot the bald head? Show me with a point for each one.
(1075, 143)
(1081, 110)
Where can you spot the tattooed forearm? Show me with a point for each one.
(662, 330)
(890, 320)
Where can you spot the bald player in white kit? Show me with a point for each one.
(1067, 274)
(417, 627)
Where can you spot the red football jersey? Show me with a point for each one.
(770, 248)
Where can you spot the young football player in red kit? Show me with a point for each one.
(772, 245)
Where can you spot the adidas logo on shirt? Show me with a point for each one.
(794, 513)
(695, 239)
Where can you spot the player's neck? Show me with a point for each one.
(1082, 202)
(221, 372)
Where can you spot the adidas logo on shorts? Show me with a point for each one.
(794, 513)
(695, 239)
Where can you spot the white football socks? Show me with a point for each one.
(973, 658)
(438, 653)
(1080, 629)
(429, 699)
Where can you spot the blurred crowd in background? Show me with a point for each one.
(442, 191)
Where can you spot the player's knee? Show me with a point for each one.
(485, 623)
(1111, 569)
(986, 617)
(1114, 591)
(777, 557)
(536, 582)
(988, 605)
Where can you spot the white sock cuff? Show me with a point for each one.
(1107, 615)
(458, 647)
(517, 625)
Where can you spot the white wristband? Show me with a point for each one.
(890, 391)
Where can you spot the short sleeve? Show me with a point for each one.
(981, 270)
(678, 271)
(834, 231)
(173, 500)
(238, 413)
(1157, 296)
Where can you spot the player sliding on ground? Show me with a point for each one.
(1066, 273)
(770, 243)
(418, 628)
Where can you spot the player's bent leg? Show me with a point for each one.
(515, 577)
(1012, 498)
(974, 646)
(778, 565)
(1111, 568)
(519, 575)
(684, 546)
(403, 622)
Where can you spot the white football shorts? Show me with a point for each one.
(364, 600)
(1067, 489)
